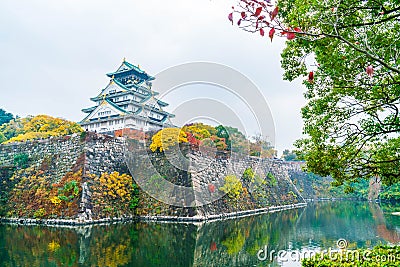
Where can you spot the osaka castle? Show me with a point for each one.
(128, 101)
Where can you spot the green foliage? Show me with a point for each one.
(83, 136)
(348, 50)
(272, 179)
(391, 193)
(248, 174)
(69, 191)
(372, 259)
(232, 187)
(234, 242)
(2, 138)
(351, 117)
(134, 202)
(289, 155)
(5, 117)
(21, 160)
(222, 132)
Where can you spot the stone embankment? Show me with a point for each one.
(90, 159)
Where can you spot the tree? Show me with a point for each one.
(5, 117)
(261, 147)
(351, 120)
(289, 155)
(167, 138)
(40, 126)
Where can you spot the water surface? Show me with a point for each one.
(224, 243)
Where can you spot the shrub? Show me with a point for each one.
(116, 186)
(272, 179)
(40, 213)
(134, 202)
(69, 191)
(21, 160)
(248, 174)
(232, 187)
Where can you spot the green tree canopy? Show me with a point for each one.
(348, 52)
(288, 155)
(5, 117)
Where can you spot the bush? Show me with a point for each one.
(40, 213)
(232, 187)
(248, 175)
(134, 202)
(272, 179)
(21, 160)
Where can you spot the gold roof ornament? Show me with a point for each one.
(124, 59)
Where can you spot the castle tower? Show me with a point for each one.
(128, 101)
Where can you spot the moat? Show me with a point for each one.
(233, 242)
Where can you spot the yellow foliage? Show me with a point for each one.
(199, 130)
(116, 185)
(166, 138)
(232, 187)
(53, 246)
(55, 200)
(41, 126)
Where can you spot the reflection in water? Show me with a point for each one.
(224, 243)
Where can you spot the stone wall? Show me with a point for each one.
(96, 154)
(58, 154)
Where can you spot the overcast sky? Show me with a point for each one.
(54, 54)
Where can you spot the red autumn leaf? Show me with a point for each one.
(230, 17)
(213, 246)
(297, 29)
(243, 14)
(370, 71)
(311, 77)
(258, 11)
(261, 17)
(290, 35)
(274, 13)
(262, 32)
(239, 21)
(271, 33)
(257, 25)
(211, 188)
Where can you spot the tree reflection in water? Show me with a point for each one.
(223, 243)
